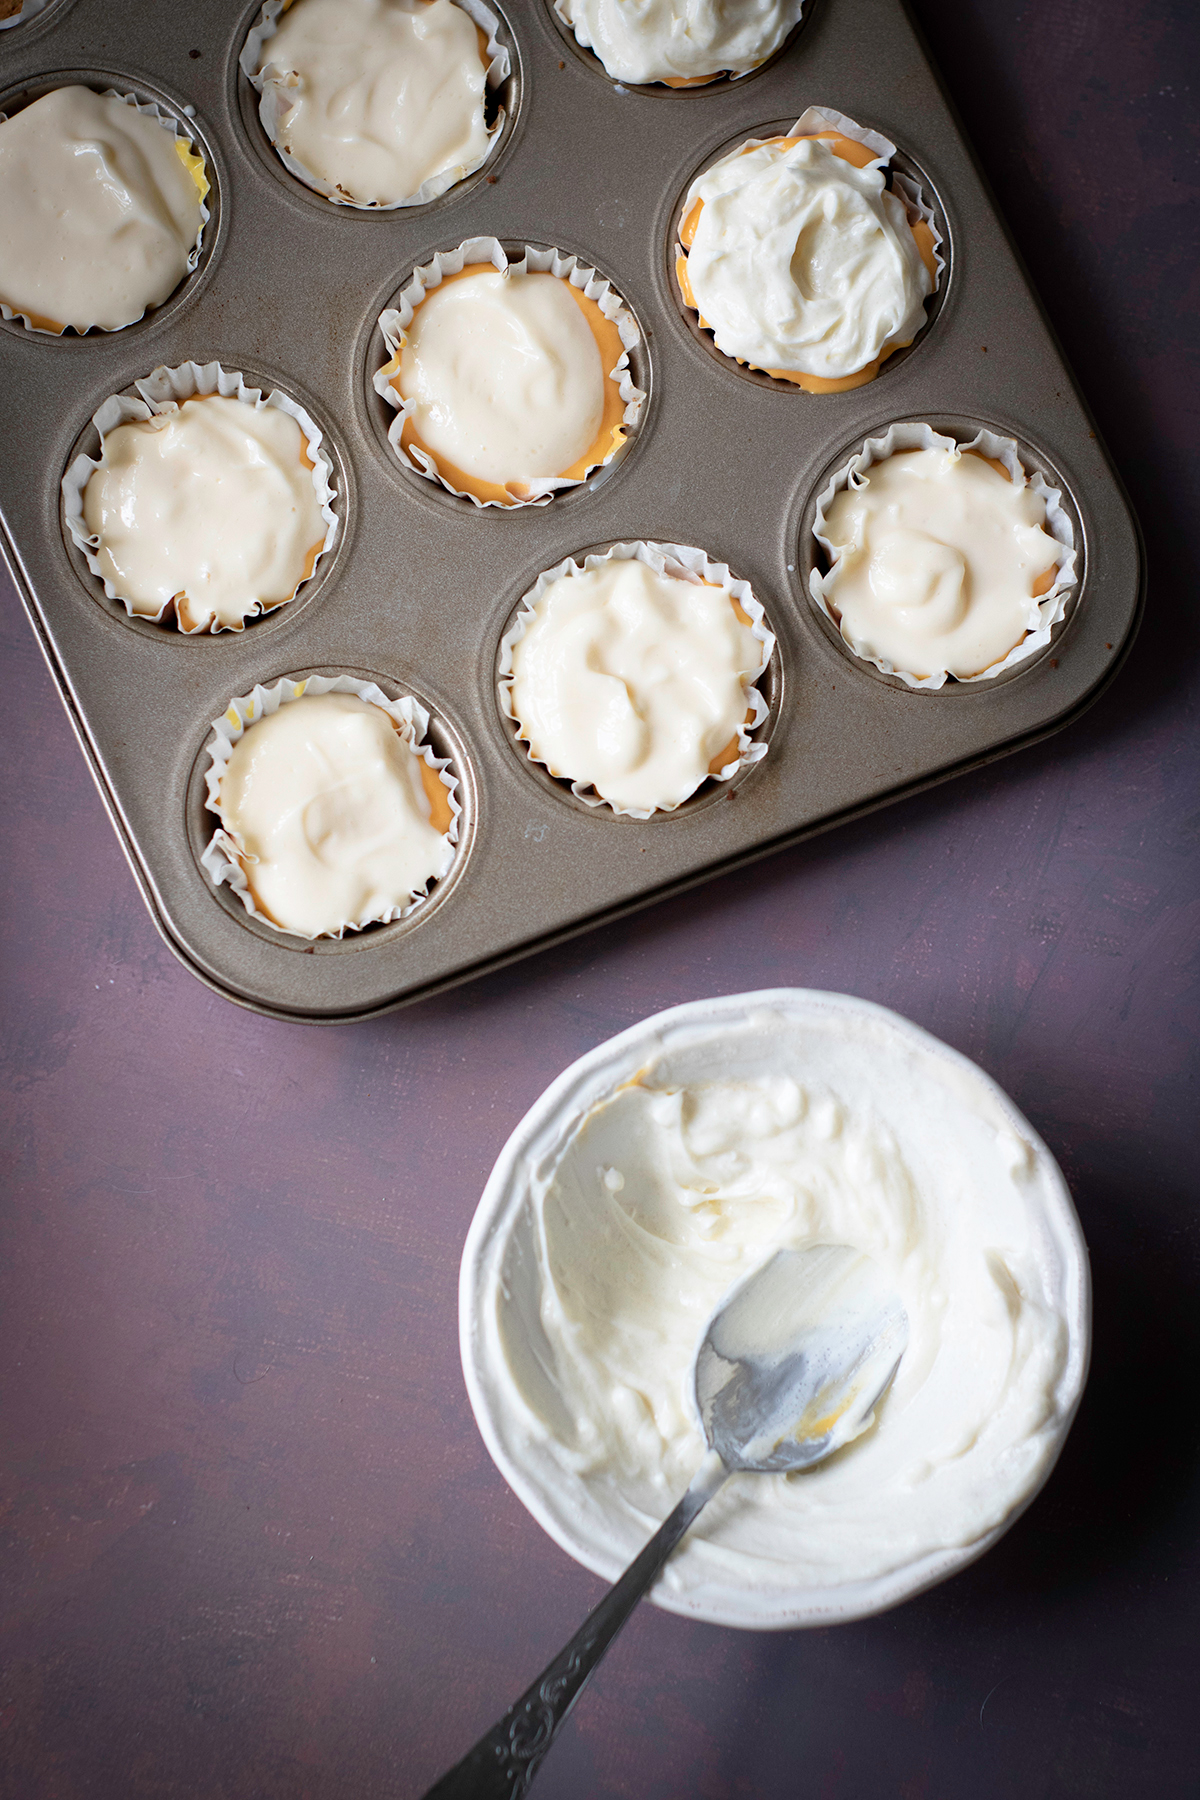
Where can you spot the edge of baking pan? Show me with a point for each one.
(12, 565)
(1001, 219)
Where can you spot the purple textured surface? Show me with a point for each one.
(250, 1542)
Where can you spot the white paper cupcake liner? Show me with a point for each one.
(795, 12)
(163, 392)
(1045, 611)
(169, 123)
(30, 10)
(686, 563)
(222, 857)
(394, 323)
(917, 206)
(274, 105)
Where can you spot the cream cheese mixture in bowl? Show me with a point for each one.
(669, 1164)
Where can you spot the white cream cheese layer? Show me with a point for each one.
(99, 213)
(802, 262)
(665, 1195)
(937, 557)
(680, 40)
(211, 505)
(381, 95)
(631, 682)
(334, 823)
(503, 378)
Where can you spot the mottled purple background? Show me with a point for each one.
(252, 1544)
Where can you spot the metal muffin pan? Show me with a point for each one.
(421, 586)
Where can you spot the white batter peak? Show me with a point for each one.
(328, 805)
(503, 377)
(631, 682)
(680, 41)
(801, 262)
(99, 211)
(379, 96)
(211, 505)
(937, 557)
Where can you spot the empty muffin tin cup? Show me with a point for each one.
(222, 858)
(395, 321)
(196, 163)
(275, 104)
(165, 391)
(1045, 611)
(685, 563)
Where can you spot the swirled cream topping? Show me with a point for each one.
(680, 41)
(505, 381)
(666, 1194)
(338, 820)
(801, 263)
(211, 505)
(379, 96)
(939, 559)
(99, 211)
(633, 682)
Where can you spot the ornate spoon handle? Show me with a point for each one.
(506, 1759)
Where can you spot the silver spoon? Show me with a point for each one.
(790, 1369)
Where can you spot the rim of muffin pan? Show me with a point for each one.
(263, 156)
(446, 740)
(771, 684)
(806, 554)
(371, 353)
(329, 565)
(22, 94)
(658, 90)
(702, 338)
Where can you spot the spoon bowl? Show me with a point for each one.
(797, 1357)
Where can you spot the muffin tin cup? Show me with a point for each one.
(1045, 611)
(150, 110)
(222, 857)
(274, 108)
(686, 563)
(163, 392)
(395, 320)
(916, 202)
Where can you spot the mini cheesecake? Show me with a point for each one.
(509, 382)
(635, 682)
(210, 507)
(801, 261)
(939, 561)
(662, 41)
(378, 101)
(101, 210)
(338, 820)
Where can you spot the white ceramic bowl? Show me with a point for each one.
(499, 1286)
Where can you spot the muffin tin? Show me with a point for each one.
(420, 587)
